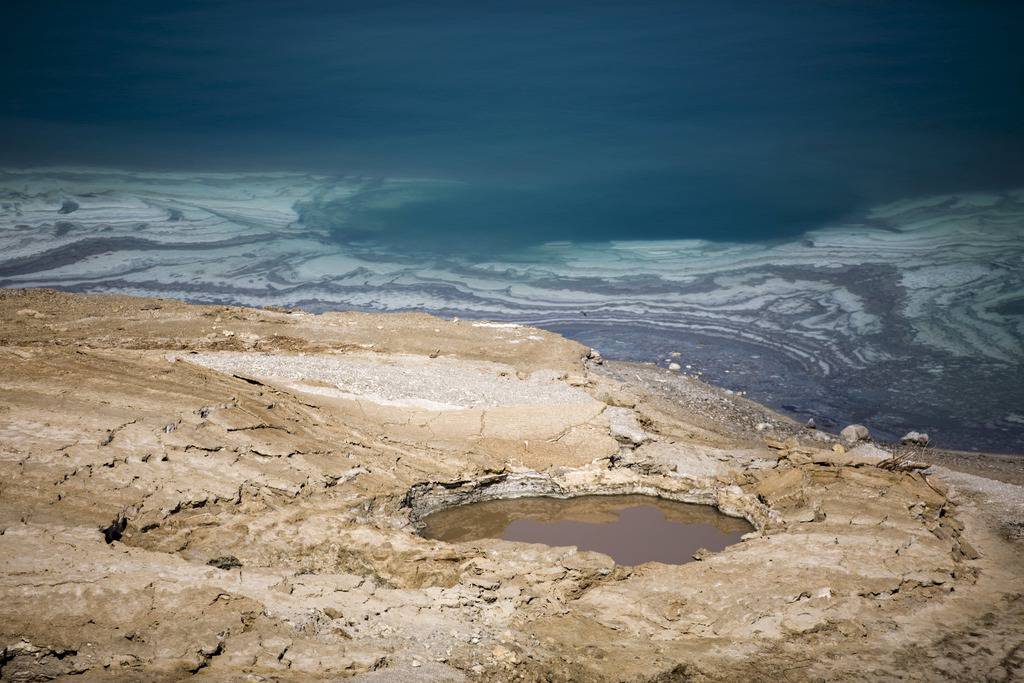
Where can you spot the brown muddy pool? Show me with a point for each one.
(631, 529)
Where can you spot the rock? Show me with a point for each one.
(702, 554)
(967, 549)
(863, 455)
(855, 433)
(762, 426)
(782, 488)
(675, 367)
(488, 583)
(830, 457)
(915, 439)
(867, 454)
(624, 426)
(225, 562)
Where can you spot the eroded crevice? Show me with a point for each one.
(115, 530)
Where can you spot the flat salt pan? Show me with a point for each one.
(403, 380)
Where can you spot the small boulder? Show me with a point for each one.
(915, 439)
(855, 433)
(675, 367)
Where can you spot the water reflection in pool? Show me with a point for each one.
(632, 529)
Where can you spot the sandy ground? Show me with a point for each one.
(236, 494)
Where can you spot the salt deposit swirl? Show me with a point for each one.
(924, 296)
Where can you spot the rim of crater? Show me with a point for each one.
(427, 497)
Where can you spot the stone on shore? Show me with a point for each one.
(854, 433)
(915, 439)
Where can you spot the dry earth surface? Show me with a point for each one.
(235, 494)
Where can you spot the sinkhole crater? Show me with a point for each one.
(631, 529)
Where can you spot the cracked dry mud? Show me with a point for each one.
(235, 494)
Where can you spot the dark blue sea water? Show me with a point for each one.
(534, 121)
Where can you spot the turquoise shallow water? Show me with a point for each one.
(907, 316)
